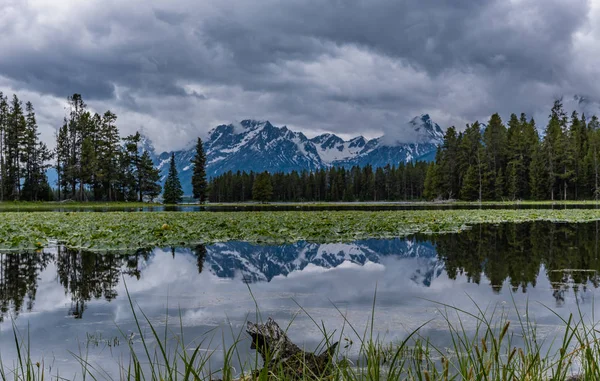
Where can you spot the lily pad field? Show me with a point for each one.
(132, 230)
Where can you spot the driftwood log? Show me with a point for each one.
(281, 357)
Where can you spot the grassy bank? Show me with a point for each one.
(75, 205)
(66, 205)
(409, 203)
(498, 349)
(126, 231)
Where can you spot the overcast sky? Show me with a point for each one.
(177, 68)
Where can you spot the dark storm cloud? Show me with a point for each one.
(348, 66)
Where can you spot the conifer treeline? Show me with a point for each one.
(403, 182)
(23, 157)
(90, 158)
(93, 164)
(501, 163)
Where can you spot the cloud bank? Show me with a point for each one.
(351, 67)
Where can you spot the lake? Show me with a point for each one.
(72, 301)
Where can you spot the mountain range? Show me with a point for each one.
(259, 146)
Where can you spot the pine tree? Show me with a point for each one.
(88, 166)
(513, 181)
(29, 145)
(69, 148)
(470, 188)
(15, 129)
(430, 182)
(3, 129)
(557, 149)
(35, 156)
(62, 157)
(495, 142)
(262, 190)
(199, 183)
(109, 156)
(172, 193)
(540, 180)
(472, 158)
(592, 158)
(499, 185)
(150, 177)
(132, 173)
(578, 141)
(448, 165)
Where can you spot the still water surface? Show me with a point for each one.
(76, 301)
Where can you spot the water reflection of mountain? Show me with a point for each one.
(567, 254)
(263, 263)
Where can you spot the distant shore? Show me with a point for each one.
(44, 205)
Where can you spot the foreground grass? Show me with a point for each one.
(497, 349)
(127, 231)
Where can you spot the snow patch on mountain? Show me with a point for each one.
(332, 148)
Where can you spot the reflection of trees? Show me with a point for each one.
(88, 276)
(200, 253)
(18, 280)
(84, 276)
(568, 253)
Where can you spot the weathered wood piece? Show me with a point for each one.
(281, 357)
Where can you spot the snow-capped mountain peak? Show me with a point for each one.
(257, 146)
(425, 127)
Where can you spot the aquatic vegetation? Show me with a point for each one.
(126, 231)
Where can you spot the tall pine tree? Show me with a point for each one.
(172, 193)
(262, 189)
(199, 183)
(149, 178)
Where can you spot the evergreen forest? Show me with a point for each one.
(513, 163)
(391, 183)
(91, 159)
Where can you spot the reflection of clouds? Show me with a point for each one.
(205, 302)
